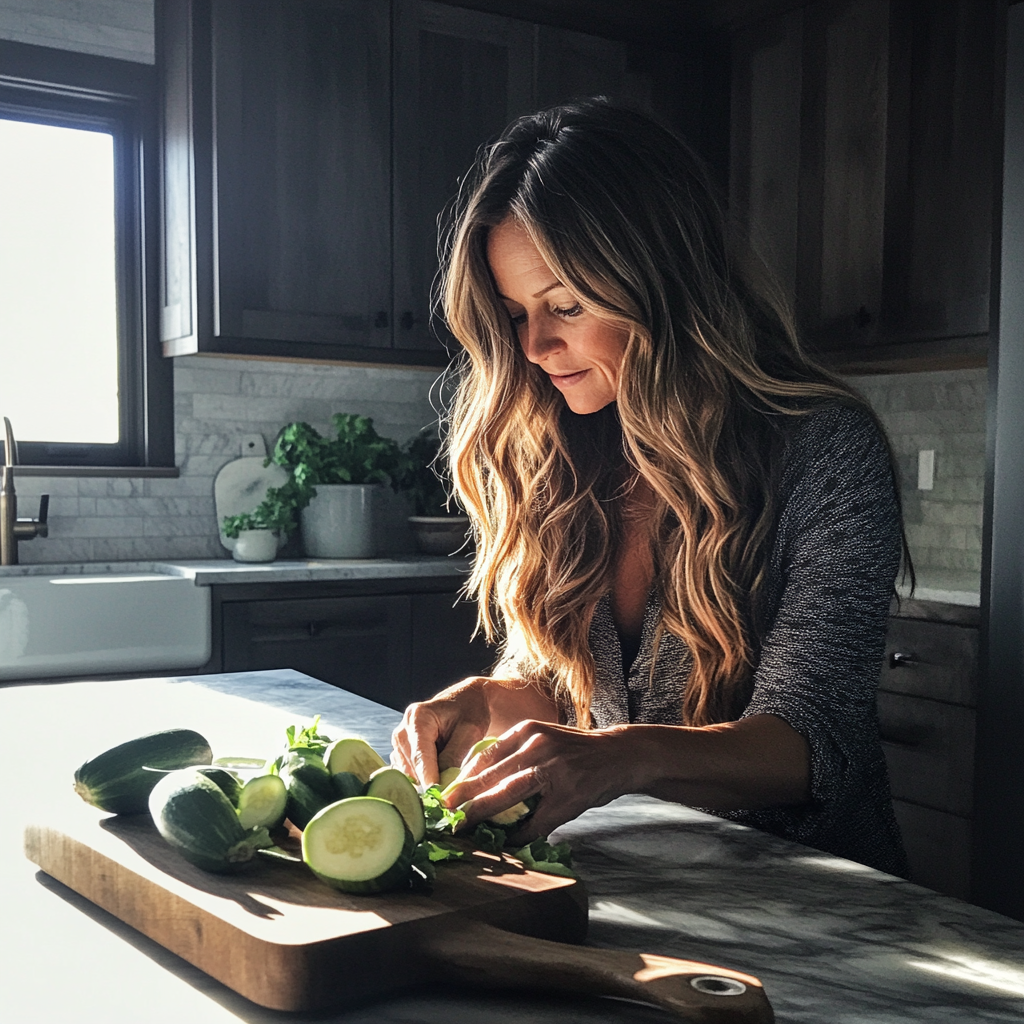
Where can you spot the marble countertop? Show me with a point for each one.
(832, 941)
(227, 571)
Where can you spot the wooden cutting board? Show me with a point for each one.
(283, 939)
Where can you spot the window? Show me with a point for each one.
(81, 377)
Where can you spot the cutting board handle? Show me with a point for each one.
(481, 955)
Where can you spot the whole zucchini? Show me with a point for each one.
(309, 789)
(192, 813)
(117, 780)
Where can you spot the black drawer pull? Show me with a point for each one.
(909, 738)
(899, 660)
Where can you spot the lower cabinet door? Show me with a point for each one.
(360, 644)
(938, 847)
(443, 648)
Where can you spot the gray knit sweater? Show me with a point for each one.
(833, 563)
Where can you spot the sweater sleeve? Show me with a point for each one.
(835, 558)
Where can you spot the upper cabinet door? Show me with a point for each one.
(460, 77)
(302, 163)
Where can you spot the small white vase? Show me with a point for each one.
(339, 521)
(255, 546)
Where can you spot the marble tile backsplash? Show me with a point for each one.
(216, 402)
(944, 412)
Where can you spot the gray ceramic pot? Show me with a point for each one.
(440, 535)
(339, 521)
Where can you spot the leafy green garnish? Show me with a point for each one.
(304, 741)
(439, 817)
(489, 838)
(540, 855)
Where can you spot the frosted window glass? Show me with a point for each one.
(58, 301)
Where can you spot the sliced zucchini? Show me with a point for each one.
(262, 801)
(345, 784)
(192, 813)
(309, 789)
(117, 779)
(359, 845)
(391, 784)
(449, 777)
(353, 755)
(478, 748)
(240, 762)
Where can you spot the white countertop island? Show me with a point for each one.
(831, 940)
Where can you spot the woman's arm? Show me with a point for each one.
(756, 762)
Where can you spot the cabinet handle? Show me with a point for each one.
(381, 319)
(313, 628)
(909, 738)
(862, 318)
(899, 660)
(407, 321)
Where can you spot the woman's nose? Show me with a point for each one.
(540, 338)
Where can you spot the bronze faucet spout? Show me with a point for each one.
(13, 529)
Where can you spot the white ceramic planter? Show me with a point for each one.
(339, 521)
(255, 546)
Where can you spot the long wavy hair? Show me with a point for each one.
(625, 216)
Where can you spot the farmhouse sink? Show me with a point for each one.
(84, 620)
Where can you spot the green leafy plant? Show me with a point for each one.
(356, 454)
(420, 478)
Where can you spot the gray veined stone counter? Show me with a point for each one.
(831, 940)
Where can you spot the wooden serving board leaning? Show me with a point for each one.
(278, 936)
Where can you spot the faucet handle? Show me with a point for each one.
(11, 446)
(44, 508)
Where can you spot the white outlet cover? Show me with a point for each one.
(926, 469)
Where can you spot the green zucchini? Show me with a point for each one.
(359, 845)
(262, 801)
(391, 784)
(192, 813)
(353, 755)
(226, 781)
(309, 789)
(346, 784)
(117, 780)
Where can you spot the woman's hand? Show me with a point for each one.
(438, 733)
(568, 769)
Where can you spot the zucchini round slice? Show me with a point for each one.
(192, 813)
(359, 845)
(262, 801)
(117, 780)
(353, 755)
(309, 789)
(391, 784)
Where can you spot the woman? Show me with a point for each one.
(686, 532)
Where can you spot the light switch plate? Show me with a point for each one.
(926, 469)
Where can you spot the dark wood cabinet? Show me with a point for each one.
(390, 641)
(926, 713)
(864, 143)
(309, 150)
(460, 77)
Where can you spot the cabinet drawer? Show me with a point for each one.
(358, 643)
(929, 748)
(931, 659)
(938, 847)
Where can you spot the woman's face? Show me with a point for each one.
(579, 352)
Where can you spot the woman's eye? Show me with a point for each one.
(518, 319)
(570, 311)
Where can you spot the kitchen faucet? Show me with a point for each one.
(13, 529)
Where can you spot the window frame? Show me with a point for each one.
(79, 90)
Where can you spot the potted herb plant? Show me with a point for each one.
(331, 492)
(439, 525)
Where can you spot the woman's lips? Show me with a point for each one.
(564, 380)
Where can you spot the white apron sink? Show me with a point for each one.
(68, 620)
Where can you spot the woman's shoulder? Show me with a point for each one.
(846, 432)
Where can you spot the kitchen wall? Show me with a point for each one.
(218, 400)
(942, 411)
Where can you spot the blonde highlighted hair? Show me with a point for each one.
(626, 217)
